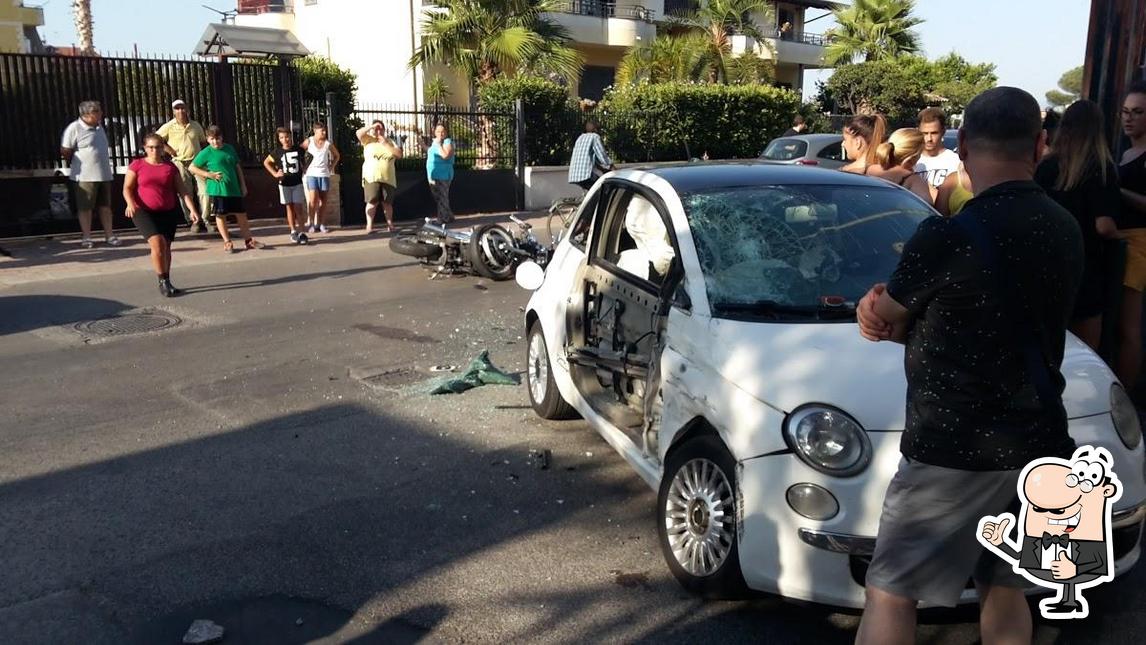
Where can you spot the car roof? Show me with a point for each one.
(815, 138)
(694, 177)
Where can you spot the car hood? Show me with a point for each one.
(789, 365)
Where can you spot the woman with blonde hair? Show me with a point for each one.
(896, 159)
(862, 134)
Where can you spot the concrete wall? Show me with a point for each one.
(14, 16)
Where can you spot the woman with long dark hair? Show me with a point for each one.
(1132, 175)
(152, 188)
(1079, 173)
(862, 135)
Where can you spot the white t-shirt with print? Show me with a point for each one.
(934, 170)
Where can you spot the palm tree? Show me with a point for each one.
(871, 30)
(697, 45)
(82, 14)
(486, 38)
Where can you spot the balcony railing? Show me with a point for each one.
(606, 9)
(247, 7)
(818, 40)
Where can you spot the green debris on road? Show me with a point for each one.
(480, 372)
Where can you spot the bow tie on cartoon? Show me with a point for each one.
(1048, 540)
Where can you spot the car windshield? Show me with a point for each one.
(803, 251)
(785, 150)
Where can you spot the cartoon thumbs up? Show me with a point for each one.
(1062, 567)
(994, 532)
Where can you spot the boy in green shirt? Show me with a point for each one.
(218, 163)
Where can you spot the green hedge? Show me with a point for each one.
(547, 105)
(657, 122)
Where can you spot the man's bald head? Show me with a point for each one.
(1003, 122)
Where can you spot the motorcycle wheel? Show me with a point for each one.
(414, 246)
(491, 252)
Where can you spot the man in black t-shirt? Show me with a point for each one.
(981, 301)
(286, 165)
(798, 127)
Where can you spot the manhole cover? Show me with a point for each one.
(125, 324)
(395, 377)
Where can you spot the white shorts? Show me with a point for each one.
(291, 194)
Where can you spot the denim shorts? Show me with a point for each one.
(317, 183)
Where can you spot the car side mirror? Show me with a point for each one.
(529, 275)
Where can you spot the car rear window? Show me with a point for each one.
(785, 150)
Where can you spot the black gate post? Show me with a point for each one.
(519, 149)
(331, 133)
(224, 96)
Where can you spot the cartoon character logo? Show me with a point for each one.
(1063, 539)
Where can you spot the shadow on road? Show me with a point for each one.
(29, 313)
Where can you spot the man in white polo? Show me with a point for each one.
(184, 139)
(84, 148)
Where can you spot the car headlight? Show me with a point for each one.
(828, 440)
(1125, 417)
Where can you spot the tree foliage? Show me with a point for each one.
(951, 80)
(871, 30)
(697, 45)
(1070, 88)
(487, 38)
(879, 86)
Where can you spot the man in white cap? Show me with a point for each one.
(184, 139)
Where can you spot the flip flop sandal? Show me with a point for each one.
(229, 247)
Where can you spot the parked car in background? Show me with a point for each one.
(951, 139)
(807, 150)
(701, 318)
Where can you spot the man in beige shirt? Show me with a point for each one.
(184, 139)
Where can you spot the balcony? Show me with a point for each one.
(30, 16)
(612, 23)
(791, 48)
(257, 7)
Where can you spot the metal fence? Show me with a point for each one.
(39, 95)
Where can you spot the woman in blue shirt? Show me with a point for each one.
(440, 171)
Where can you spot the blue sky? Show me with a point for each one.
(1032, 43)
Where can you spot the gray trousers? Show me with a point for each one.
(441, 191)
(197, 187)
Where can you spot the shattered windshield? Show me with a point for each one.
(798, 250)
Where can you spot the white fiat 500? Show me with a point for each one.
(702, 319)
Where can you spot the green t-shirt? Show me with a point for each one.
(226, 161)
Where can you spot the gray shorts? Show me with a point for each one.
(291, 194)
(927, 547)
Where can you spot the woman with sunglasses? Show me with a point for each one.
(152, 189)
(1132, 177)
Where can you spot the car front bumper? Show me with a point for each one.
(825, 562)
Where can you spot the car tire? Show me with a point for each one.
(697, 529)
(414, 246)
(544, 396)
(497, 263)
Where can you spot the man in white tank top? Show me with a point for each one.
(324, 159)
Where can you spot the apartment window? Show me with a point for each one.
(680, 6)
(594, 80)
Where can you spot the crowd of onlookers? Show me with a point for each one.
(1075, 167)
(189, 174)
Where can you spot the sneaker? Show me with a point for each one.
(113, 241)
(198, 227)
(303, 239)
(322, 228)
(310, 229)
(86, 243)
(252, 244)
(294, 237)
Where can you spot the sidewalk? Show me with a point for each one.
(34, 260)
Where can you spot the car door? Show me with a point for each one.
(617, 304)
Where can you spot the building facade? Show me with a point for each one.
(375, 39)
(18, 27)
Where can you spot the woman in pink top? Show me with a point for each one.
(152, 189)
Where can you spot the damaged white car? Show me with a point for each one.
(702, 319)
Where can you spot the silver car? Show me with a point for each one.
(807, 150)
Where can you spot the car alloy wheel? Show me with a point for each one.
(538, 368)
(700, 517)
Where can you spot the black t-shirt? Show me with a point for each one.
(290, 161)
(1088, 201)
(1132, 176)
(972, 402)
(791, 132)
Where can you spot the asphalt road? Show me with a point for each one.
(275, 464)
